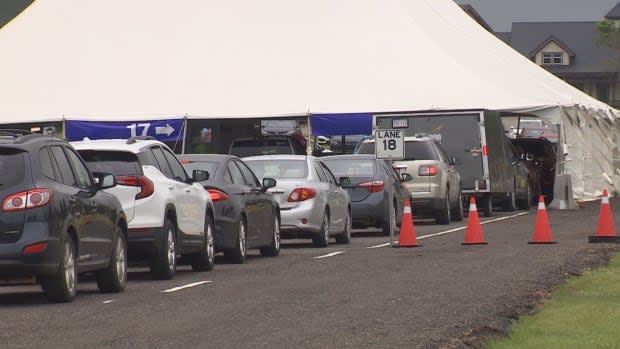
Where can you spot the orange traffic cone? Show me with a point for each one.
(474, 229)
(407, 231)
(606, 231)
(542, 230)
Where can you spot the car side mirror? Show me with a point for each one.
(406, 177)
(268, 183)
(200, 175)
(105, 180)
(344, 182)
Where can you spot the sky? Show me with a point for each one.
(501, 13)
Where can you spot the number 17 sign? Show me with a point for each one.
(390, 144)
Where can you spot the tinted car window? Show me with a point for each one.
(46, 163)
(235, 174)
(351, 167)
(319, 172)
(329, 174)
(243, 148)
(249, 177)
(279, 169)
(80, 171)
(118, 163)
(177, 169)
(162, 164)
(208, 166)
(414, 150)
(63, 166)
(12, 167)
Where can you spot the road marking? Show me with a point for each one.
(330, 254)
(455, 229)
(178, 288)
(108, 301)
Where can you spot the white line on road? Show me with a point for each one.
(330, 254)
(178, 288)
(455, 229)
(108, 301)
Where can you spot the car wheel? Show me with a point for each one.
(526, 203)
(205, 260)
(237, 255)
(386, 225)
(322, 239)
(445, 215)
(114, 277)
(457, 216)
(345, 236)
(273, 249)
(486, 202)
(61, 287)
(165, 263)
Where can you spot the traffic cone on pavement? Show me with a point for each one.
(606, 230)
(407, 231)
(542, 230)
(474, 229)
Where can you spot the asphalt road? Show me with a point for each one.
(440, 295)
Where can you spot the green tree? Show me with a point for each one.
(609, 36)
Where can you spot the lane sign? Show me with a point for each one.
(390, 144)
(168, 130)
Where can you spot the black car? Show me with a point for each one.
(374, 184)
(56, 221)
(246, 215)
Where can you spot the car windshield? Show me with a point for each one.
(414, 150)
(279, 169)
(12, 166)
(118, 163)
(209, 166)
(351, 167)
(264, 147)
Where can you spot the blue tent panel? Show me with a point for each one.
(341, 124)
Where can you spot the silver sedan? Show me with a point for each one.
(313, 203)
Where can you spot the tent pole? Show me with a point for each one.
(184, 134)
(308, 145)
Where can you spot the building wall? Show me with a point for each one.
(552, 47)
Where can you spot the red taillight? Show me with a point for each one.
(427, 170)
(217, 195)
(373, 187)
(185, 161)
(485, 150)
(146, 185)
(301, 194)
(26, 199)
(35, 248)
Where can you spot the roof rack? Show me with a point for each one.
(17, 132)
(133, 140)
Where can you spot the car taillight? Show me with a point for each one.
(301, 194)
(427, 170)
(34, 248)
(26, 199)
(373, 187)
(146, 185)
(217, 195)
(485, 150)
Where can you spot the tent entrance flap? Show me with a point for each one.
(341, 124)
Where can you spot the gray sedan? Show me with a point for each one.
(312, 202)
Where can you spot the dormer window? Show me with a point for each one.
(552, 58)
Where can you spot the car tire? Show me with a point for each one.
(274, 248)
(386, 225)
(445, 215)
(322, 238)
(164, 265)
(237, 255)
(526, 204)
(486, 203)
(205, 259)
(62, 286)
(114, 277)
(345, 236)
(458, 214)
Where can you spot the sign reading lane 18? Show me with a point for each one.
(390, 144)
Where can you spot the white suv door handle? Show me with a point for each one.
(188, 190)
(170, 187)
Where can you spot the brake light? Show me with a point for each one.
(217, 195)
(26, 199)
(146, 185)
(35, 248)
(427, 170)
(485, 150)
(301, 194)
(373, 187)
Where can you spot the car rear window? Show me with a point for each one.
(118, 163)
(351, 167)
(208, 166)
(414, 150)
(279, 169)
(257, 147)
(12, 166)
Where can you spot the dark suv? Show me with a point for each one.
(55, 220)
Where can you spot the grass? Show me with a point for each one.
(582, 313)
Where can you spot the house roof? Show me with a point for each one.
(614, 13)
(11, 8)
(471, 11)
(549, 40)
(578, 37)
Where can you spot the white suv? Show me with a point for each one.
(169, 214)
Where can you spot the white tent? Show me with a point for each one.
(146, 59)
